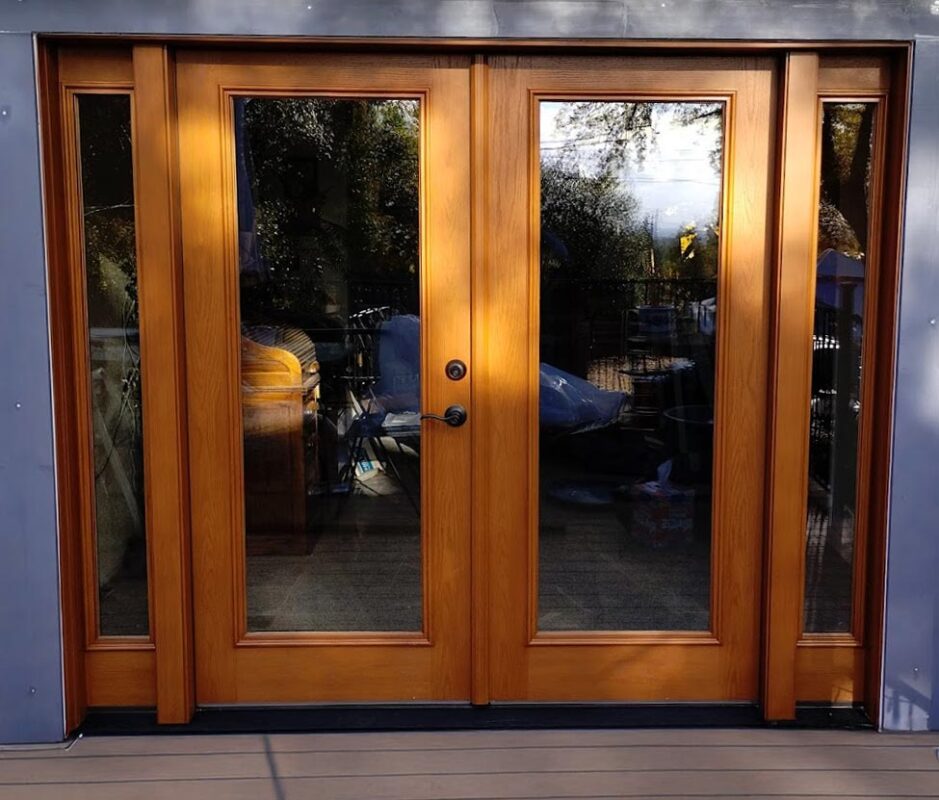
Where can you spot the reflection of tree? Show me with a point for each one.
(110, 262)
(587, 201)
(334, 187)
(108, 206)
(623, 131)
(601, 251)
(590, 226)
(847, 129)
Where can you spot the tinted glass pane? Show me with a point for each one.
(847, 146)
(329, 262)
(107, 184)
(630, 204)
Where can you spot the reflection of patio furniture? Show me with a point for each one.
(656, 382)
(280, 391)
(571, 404)
(836, 377)
(689, 432)
(384, 391)
(651, 329)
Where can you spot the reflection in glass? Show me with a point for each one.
(847, 147)
(330, 362)
(630, 216)
(107, 187)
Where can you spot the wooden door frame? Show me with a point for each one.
(120, 671)
(830, 668)
(121, 675)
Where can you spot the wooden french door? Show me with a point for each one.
(566, 261)
(326, 247)
(614, 325)
(621, 348)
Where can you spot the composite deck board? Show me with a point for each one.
(707, 737)
(176, 790)
(636, 759)
(136, 768)
(521, 765)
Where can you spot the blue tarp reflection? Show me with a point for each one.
(566, 401)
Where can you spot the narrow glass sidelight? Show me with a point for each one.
(837, 364)
(630, 255)
(329, 266)
(110, 261)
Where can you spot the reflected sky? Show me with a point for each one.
(675, 177)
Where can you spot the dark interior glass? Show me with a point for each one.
(847, 148)
(630, 220)
(107, 185)
(328, 218)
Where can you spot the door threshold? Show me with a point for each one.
(430, 717)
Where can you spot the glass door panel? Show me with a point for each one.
(630, 252)
(103, 123)
(838, 343)
(329, 266)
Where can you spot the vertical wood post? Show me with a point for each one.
(163, 380)
(790, 385)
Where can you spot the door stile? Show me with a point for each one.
(163, 337)
(790, 383)
(479, 194)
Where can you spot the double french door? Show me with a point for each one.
(477, 358)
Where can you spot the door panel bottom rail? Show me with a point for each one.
(430, 717)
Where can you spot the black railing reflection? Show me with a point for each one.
(836, 373)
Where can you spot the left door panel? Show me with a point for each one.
(325, 225)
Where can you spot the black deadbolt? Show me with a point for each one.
(455, 369)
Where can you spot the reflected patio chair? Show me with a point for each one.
(384, 398)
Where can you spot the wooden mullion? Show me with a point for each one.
(479, 193)
(163, 373)
(791, 365)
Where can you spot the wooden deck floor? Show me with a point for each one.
(510, 764)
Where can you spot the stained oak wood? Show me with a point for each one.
(61, 322)
(96, 666)
(838, 667)
(791, 382)
(478, 162)
(479, 192)
(829, 671)
(163, 370)
(855, 74)
(120, 676)
(724, 663)
(104, 65)
(230, 667)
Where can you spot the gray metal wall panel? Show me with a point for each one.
(30, 650)
(911, 664)
(30, 657)
(667, 19)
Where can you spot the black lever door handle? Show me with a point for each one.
(454, 416)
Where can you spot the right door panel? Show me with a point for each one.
(622, 338)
